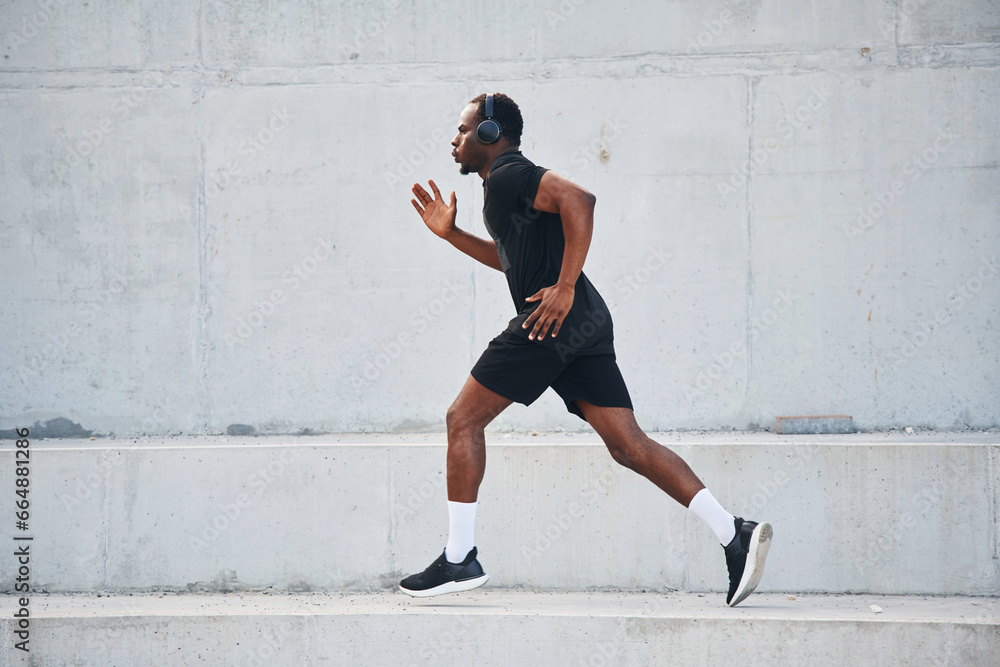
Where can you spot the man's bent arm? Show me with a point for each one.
(475, 247)
(439, 216)
(575, 207)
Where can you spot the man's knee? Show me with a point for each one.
(624, 452)
(459, 418)
(453, 417)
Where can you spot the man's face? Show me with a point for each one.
(469, 152)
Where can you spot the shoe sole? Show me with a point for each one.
(760, 542)
(449, 587)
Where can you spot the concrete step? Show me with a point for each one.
(504, 628)
(876, 513)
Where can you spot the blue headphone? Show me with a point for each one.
(489, 130)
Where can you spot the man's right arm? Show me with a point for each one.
(440, 219)
(475, 247)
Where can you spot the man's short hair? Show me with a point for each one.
(506, 113)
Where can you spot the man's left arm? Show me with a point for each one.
(575, 206)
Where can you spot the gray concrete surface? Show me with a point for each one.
(504, 628)
(205, 218)
(874, 513)
(814, 424)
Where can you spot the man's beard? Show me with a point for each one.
(472, 166)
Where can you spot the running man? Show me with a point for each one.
(541, 225)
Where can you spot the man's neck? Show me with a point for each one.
(484, 172)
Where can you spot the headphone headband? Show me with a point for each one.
(489, 106)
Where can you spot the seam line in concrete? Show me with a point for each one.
(763, 63)
(748, 203)
(895, 29)
(106, 502)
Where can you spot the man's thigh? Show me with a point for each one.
(477, 405)
(613, 424)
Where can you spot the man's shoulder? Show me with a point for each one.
(511, 161)
(513, 172)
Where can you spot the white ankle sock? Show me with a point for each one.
(707, 508)
(461, 531)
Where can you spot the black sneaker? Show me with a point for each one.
(749, 547)
(444, 577)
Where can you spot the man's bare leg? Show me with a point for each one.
(746, 542)
(632, 448)
(457, 568)
(468, 416)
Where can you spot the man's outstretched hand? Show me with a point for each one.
(438, 216)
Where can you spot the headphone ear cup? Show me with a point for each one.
(488, 132)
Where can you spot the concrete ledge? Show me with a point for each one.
(871, 513)
(502, 628)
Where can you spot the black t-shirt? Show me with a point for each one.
(530, 244)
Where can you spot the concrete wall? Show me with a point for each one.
(911, 515)
(205, 217)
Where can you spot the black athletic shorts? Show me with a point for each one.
(521, 370)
